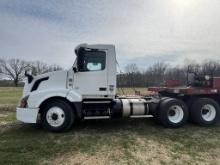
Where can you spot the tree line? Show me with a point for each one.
(159, 73)
(14, 69)
(132, 76)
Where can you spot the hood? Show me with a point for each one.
(46, 81)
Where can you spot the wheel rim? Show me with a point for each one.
(175, 114)
(208, 112)
(55, 116)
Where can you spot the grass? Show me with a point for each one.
(127, 141)
(10, 95)
(131, 91)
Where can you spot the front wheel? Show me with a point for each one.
(205, 111)
(173, 113)
(57, 116)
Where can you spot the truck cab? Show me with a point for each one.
(94, 71)
(92, 78)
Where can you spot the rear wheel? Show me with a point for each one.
(205, 111)
(57, 116)
(173, 113)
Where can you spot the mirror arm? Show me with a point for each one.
(29, 77)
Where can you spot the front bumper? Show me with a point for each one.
(27, 115)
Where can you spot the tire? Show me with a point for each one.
(156, 114)
(57, 116)
(205, 112)
(173, 113)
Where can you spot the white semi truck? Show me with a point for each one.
(88, 91)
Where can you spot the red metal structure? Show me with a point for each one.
(209, 86)
(172, 83)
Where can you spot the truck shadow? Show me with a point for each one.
(138, 126)
(135, 125)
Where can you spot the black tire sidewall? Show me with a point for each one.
(164, 109)
(69, 116)
(156, 114)
(196, 115)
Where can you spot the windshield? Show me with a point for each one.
(75, 63)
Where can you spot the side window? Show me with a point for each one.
(91, 60)
(93, 66)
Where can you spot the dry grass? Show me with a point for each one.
(130, 141)
(143, 142)
(10, 96)
(131, 91)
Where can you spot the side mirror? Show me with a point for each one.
(29, 76)
(75, 69)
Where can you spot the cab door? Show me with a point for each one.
(91, 78)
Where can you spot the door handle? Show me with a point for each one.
(102, 89)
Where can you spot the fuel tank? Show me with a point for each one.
(130, 107)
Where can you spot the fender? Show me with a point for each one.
(76, 99)
(74, 96)
(36, 98)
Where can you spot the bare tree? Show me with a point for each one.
(210, 67)
(1, 75)
(131, 73)
(12, 69)
(39, 67)
(175, 73)
(131, 68)
(158, 71)
(54, 67)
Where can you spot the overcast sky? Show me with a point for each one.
(143, 31)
